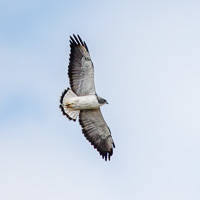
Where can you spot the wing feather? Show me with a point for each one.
(97, 132)
(80, 69)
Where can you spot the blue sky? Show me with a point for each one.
(147, 65)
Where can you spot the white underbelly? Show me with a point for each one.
(83, 102)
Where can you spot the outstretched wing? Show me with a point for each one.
(97, 132)
(80, 70)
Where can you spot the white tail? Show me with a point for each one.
(69, 112)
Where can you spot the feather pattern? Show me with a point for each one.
(80, 70)
(97, 132)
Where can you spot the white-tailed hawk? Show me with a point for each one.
(82, 100)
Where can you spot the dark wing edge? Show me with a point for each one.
(97, 132)
(80, 69)
(61, 107)
(77, 41)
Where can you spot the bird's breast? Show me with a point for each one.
(83, 102)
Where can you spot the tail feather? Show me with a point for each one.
(70, 113)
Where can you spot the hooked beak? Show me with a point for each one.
(106, 102)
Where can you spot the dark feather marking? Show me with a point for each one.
(80, 40)
(63, 94)
(76, 39)
(64, 113)
(86, 47)
(61, 107)
(73, 41)
(110, 135)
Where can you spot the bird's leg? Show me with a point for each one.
(68, 105)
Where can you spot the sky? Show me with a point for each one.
(147, 66)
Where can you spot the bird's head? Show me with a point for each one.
(101, 100)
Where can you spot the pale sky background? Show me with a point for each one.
(147, 65)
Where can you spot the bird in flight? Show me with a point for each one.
(81, 100)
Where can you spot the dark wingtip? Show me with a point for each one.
(106, 155)
(81, 41)
(72, 40)
(78, 42)
(75, 40)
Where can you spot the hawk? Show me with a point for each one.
(81, 100)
